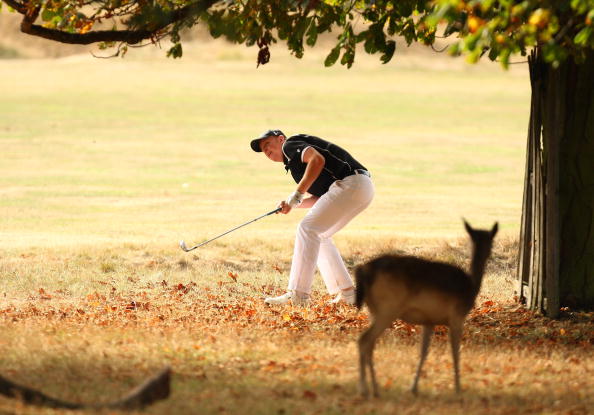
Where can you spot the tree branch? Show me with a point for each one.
(564, 30)
(127, 36)
(19, 7)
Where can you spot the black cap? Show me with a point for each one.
(255, 143)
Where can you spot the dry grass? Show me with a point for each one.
(86, 326)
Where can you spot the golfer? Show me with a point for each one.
(338, 189)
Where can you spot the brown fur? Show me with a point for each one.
(419, 291)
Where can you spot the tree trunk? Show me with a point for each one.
(556, 262)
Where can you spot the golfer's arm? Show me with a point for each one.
(309, 202)
(315, 163)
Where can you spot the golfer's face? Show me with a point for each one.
(272, 147)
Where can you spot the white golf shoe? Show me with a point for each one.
(347, 297)
(295, 297)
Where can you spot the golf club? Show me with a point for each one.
(183, 246)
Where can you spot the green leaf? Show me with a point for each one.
(439, 13)
(47, 15)
(392, 24)
(583, 36)
(454, 49)
(175, 51)
(504, 58)
(301, 27)
(312, 34)
(369, 45)
(553, 53)
(473, 56)
(332, 56)
(388, 52)
(493, 53)
(471, 41)
(408, 31)
(579, 6)
(348, 57)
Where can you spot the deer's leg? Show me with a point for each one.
(425, 341)
(372, 371)
(366, 345)
(455, 337)
(363, 347)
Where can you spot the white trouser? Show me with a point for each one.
(313, 244)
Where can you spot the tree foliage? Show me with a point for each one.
(495, 28)
(503, 28)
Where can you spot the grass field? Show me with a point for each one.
(106, 164)
(147, 151)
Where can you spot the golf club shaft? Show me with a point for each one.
(230, 230)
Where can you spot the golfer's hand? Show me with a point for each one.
(285, 207)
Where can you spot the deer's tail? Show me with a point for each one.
(363, 280)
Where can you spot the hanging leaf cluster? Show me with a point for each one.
(500, 29)
(497, 29)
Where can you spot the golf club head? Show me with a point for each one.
(183, 246)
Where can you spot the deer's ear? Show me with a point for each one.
(468, 227)
(494, 229)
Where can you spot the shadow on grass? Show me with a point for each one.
(219, 388)
(228, 394)
(153, 389)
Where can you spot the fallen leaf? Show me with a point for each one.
(307, 394)
(43, 295)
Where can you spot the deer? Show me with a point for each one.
(419, 291)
